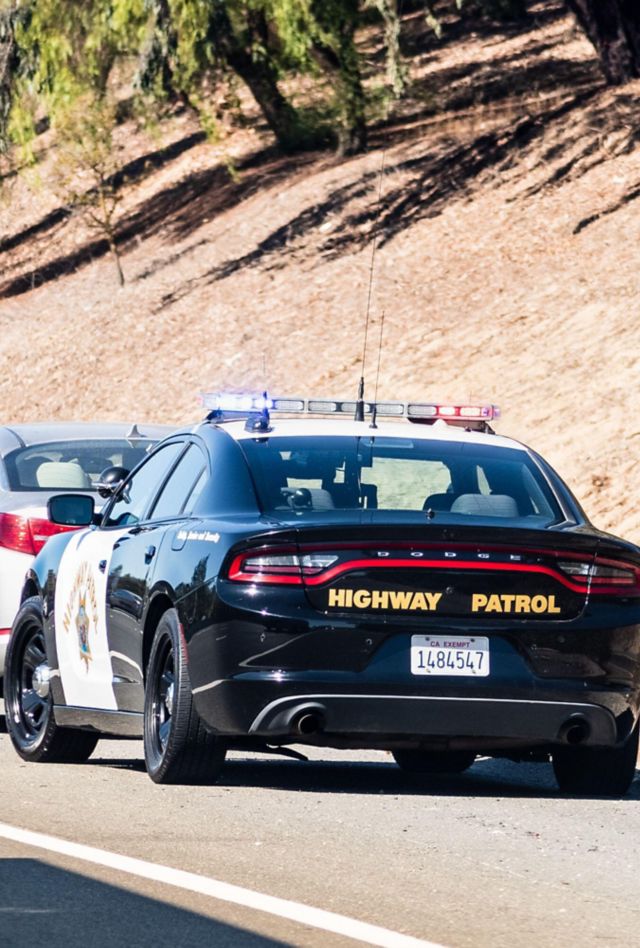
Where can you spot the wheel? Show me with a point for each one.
(433, 762)
(27, 699)
(177, 746)
(597, 771)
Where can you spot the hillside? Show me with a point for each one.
(506, 267)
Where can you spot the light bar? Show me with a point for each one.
(242, 405)
(235, 403)
(453, 412)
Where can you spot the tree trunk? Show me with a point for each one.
(116, 256)
(260, 74)
(613, 26)
(281, 117)
(344, 60)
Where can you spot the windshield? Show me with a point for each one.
(69, 465)
(452, 481)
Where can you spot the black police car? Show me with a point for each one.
(260, 581)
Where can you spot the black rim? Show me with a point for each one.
(29, 710)
(164, 695)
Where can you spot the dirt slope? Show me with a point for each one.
(507, 263)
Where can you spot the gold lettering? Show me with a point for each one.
(478, 602)
(522, 603)
(379, 599)
(539, 603)
(419, 601)
(552, 605)
(507, 602)
(494, 604)
(337, 597)
(400, 600)
(362, 598)
(433, 599)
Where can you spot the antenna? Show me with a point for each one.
(375, 394)
(359, 415)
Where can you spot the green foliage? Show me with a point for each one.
(184, 49)
(87, 165)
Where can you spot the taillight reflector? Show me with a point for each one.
(27, 534)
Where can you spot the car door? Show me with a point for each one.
(85, 575)
(133, 570)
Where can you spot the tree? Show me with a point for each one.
(184, 48)
(613, 26)
(87, 167)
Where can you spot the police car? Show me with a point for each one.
(283, 574)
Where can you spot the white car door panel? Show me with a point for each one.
(81, 637)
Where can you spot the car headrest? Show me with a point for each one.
(58, 475)
(485, 505)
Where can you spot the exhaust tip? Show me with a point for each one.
(575, 730)
(308, 722)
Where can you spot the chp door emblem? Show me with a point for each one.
(81, 612)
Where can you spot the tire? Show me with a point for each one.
(177, 746)
(433, 762)
(597, 771)
(28, 705)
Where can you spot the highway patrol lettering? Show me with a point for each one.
(383, 599)
(514, 604)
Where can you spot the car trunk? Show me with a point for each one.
(488, 572)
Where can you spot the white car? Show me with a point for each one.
(38, 460)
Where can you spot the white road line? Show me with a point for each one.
(224, 891)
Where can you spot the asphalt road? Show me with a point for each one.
(494, 857)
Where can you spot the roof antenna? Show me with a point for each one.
(374, 411)
(359, 415)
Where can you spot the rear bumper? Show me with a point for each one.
(340, 716)
(376, 717)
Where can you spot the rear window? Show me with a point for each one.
(446, 480)
(69, 465)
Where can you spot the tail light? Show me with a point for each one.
(603, 576)
(27, 534)
(581, 573)
(284, 567)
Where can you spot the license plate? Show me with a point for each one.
(466, 656)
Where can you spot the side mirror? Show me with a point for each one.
(71, 510)
(110, 480)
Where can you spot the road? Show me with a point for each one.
(494, 857)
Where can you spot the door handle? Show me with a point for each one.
(149, 554)
(102, 565)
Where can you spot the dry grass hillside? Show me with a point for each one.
(507, 263)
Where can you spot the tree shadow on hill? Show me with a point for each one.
(131, 172)
(176, 211)
(429, 182)
(418, 37)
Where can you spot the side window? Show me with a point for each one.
(178, 494)
(134, 499)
